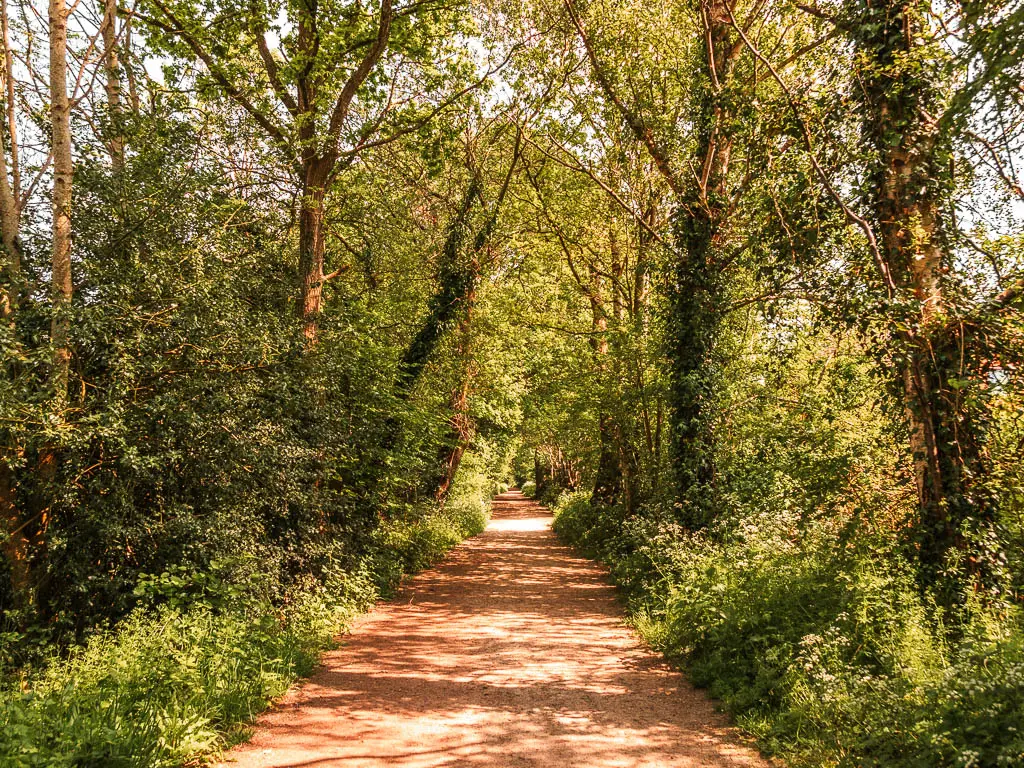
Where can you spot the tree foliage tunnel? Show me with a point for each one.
(733, 285)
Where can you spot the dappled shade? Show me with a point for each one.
(511, 653)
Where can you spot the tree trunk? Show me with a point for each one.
(112, 67)
(622, 423)
(457, 278)
(541, 472)
(932, 356)
(697, 290)
(311, 244)
(461, 426)
(461, 429)
(462, 432)
(10, 226)
(60, 118)
(10, 188)
(15, 542)
(607, 480)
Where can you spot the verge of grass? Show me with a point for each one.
(176, 685)
(825, 652)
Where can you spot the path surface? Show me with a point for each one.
(511, 653)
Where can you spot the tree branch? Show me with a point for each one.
(805, 132)
(359, 75)
(636, 124)
(274, 75)
(177, 29)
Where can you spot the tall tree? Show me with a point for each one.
(63, 169)
(939, 346)
(324, 94)
(704, 206)
(10, 177)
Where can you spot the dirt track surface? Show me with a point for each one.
(511, 653)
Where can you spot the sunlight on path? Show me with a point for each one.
(511, 653)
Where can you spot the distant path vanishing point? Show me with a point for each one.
(512, 652)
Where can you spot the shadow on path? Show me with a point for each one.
(510, 653)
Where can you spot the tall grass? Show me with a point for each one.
(820, 646)
(171, 685)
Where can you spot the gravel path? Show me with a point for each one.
(511, 653)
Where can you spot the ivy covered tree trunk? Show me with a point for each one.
(460, 424)
(459, 273)
(695, 323)
(937, 369)
(697, 285)
(446, 307)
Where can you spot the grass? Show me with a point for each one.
(175, 685)
(826, 652)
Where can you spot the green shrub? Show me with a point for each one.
(181, 680)
(826, 652)
(529, 489)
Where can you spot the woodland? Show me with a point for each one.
(290, 289)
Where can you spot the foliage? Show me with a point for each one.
(825, 651)
(181, 682)
(737, 286)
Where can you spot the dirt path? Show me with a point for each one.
(511, 653)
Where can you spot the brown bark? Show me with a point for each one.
(311, 245)
(460, 423)
(911, 243)
(932, 352)
(10, 182)
(607, 479)
(552, 467)
(909, 237)
(320, 154)
(15, 544)
(129, 69)
(625, 454)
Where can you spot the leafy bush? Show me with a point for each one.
(529, 489)
(826, 651)
(179, 681)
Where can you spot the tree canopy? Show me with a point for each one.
(736, 285)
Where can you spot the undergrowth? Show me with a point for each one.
(820, 646)
(179, 681)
